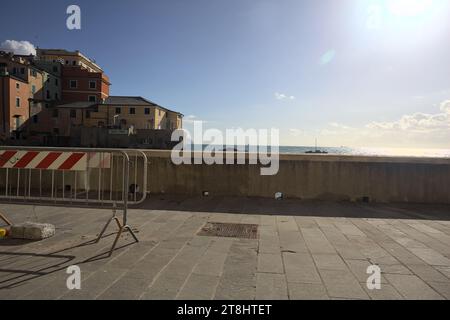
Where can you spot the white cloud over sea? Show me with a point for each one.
(415, 130)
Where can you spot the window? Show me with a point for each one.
(55, 68)
(56, 96)
(147, 110)
(17, 85)
(56, 82)
(17, 102)
(35, 118)
(132, 110)
(73, 84)
(92, 99)
(47, 94)
(33, 89)
(92, 84)
(34, 73)
(118, 111)
(55, 130)
(74, 63)
(88, 114)
(67, 61)
(14, 70)
(73, 113)
(22, 70)
(55, 113)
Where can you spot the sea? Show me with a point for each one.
(392, 152)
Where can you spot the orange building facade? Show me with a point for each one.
(78, 84)
(14, 104)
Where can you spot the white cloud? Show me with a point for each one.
(18, 47)
(445, 107)
(339, 126)
(296, 132)
(411, 130)
(191, 118)
(282, 96)
(417, 122)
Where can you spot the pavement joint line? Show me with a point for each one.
(108, 262)
(123, 274)
(32, 245)
(107, 287)
(344, 260)
(167, 264)
(420, 241)
(191, 272)
(52, 248)
(434, 240)
(281, 254)
(314, 262)
(425, 263)
(411, 249)
(401, 262)
(108, 246)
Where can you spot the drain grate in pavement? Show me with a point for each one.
(229, 230)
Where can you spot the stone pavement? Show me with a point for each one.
(305, 250)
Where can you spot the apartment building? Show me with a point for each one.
(15, 108)
(68, 58)
(79, 84)
(126, 113)
(52, 79)
(25, 91)
(135, 113)
(59, 94)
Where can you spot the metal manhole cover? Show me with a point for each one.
(229, 230)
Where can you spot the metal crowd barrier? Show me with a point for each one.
(114, 178)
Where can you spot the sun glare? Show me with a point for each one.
(409, 8)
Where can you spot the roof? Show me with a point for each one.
(118, 101)
(134, 101)
(78, 105)
(64, 52)
(128, 101)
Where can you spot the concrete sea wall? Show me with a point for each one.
(322, 177)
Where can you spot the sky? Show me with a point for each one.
(358, 73)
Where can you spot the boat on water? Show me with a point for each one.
(316, 150)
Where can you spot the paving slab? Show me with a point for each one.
(270, 286)
(304, 250)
